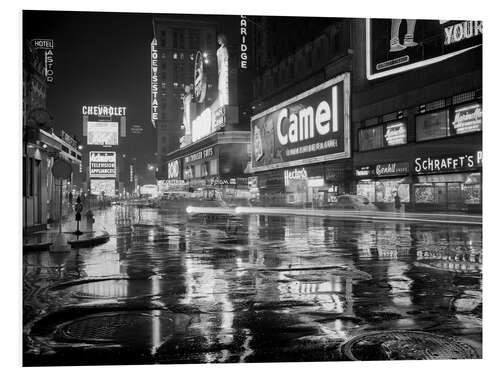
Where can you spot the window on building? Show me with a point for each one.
(370, 138)
(194, 39)
(432, 125)
(390, 134)
(213, 167)
(31, 177)
(209, 40)
(25, 173)
(162, 42)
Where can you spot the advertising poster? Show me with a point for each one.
(398, 45)
(311, 127)
(102, 164)
(102, 133)
(98, 186)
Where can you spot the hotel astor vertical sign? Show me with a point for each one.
(312, 127)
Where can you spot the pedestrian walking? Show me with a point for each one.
(70, 198)
(397, 202)
(89, 215)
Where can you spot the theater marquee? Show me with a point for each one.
(312, 127)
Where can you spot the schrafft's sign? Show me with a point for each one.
(102, 164)
(397, 45)
(48, 46)
(466, 161)
(309, 128)
(103, 110)
(154, 82)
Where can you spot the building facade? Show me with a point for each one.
(412, 112)
(174, 51)
(209, 132)
(417, 113)
(301, 127)
(41, 147)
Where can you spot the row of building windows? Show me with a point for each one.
(442, 123)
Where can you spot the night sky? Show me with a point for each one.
(100, 58)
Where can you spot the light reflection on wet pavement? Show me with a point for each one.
(212, 288)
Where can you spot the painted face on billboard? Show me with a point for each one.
(311, 127)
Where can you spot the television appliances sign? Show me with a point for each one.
(102, 164)
(312, 127)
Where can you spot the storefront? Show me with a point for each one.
(381, 183)
(301, 147)
(218, 166)
(451, 182)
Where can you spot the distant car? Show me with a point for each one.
(353, 202)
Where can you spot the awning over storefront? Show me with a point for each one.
(449, 177)
(473, 179)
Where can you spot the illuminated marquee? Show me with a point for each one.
(154, 82)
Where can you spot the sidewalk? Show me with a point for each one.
(48, 239)
(444, 218)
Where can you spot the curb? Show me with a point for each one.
(41, 246)
(89, 242)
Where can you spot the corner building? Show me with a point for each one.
(417, 113)
(301, 123)
(208, 135)
(177, 42)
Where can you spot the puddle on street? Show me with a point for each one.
(256, 288)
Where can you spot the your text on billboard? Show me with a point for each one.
(397, 45)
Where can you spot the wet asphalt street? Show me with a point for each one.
(168, 288)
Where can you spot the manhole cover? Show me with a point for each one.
(120, 327)
(406, 345)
